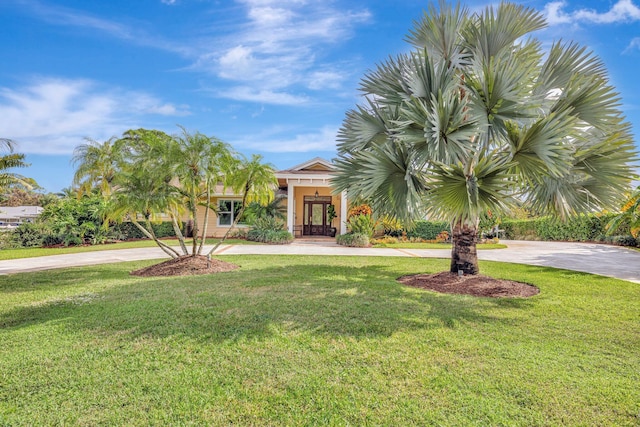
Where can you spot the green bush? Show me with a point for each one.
(355, 240)
(362, 224)
(582, 228)
(428, 230)
(269, 230)
(28, 235)
(127, 230)
(624, 240)
(272, 237)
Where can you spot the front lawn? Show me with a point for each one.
(315, 341)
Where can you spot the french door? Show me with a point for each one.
(315, 216)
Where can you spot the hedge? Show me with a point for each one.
(581, 228)
(428, 230)
(584, 228)
(127, 230)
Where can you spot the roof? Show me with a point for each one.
(317, 165)
(20, 211)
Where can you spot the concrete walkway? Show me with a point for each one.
(605, 260)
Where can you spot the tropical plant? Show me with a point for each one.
(362, 224)
(75, 221)
(629, 216)
(477, 117)
(255, 181)
(9, 161)
(153, 176)
(356, 240)
(97, 165)
(272, 209)
(269, 229)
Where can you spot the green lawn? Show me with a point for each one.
(315, 341)
(36, 252)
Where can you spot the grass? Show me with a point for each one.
(409, 245)
(315, 341)
(6, 254)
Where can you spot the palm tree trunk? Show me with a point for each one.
(179, 235)
(464, 256)
(165, 248)
(206, 219)
(194, 233)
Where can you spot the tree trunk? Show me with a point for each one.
(178, 232)
(206, 220)
(165, 248)
(464, 256)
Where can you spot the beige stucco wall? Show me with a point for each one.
(213, 230)
(300, 192)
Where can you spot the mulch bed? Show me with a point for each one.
(475, 285)
(185, 266)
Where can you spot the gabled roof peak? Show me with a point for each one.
(317, 163)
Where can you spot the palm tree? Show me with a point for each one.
(255, 181)
(478, 117)
(96, 165)
(8, 161)
(199, 163)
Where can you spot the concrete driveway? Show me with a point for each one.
(605, 260)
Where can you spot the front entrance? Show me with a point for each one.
(315, 216)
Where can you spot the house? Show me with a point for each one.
(309, 195)
(308, 192)
(13, 216)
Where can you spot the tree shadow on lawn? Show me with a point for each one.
(258, 301)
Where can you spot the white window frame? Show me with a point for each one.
(232, 212)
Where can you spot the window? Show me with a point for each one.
(227, 212)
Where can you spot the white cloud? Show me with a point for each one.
(280, 47)
(325, 80)
(265, 96)
(322, 140)
(633, 45)
(621, 11)
(169, 2)
(52, 116)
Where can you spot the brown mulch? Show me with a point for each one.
(185, 266)
(475, 285)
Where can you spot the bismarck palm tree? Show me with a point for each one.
(479, 116)
(9, 161)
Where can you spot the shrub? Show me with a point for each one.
(627, 240)
(355, 240)
(269, 230)
(28, 235)
(427, 230)
(363, 209)
(273, 237)
(384, 240)
(391, 226)
(126, 230)
(581, 228)
(361, 224)
(443, 236)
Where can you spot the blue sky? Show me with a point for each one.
(267, 76)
